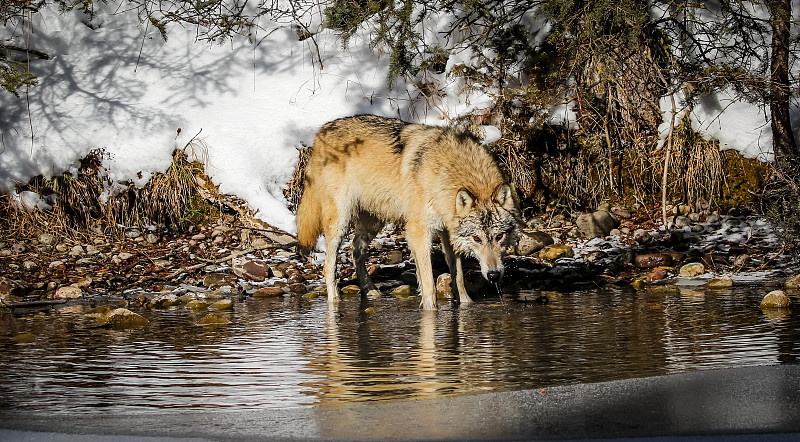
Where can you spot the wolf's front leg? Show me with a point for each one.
(463, 296)
(419, 241)
(331, 252)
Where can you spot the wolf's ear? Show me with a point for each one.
(504, 197)
(464, 201)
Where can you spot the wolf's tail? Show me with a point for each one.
(309, 218)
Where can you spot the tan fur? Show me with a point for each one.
(366, 171)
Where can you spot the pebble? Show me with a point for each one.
(61, 247)
(76, 251)
(350, 290)
(298, 288)
(597, 224)
(443, 284)
(92, 250)
(124, 256)
(682, 221)
(133, 233)
(213, 319)
(642, 236)
(30, 265)
(251, 269)
(222, 304)
(151, 238)
(394, 257)
(122, 318)
(656, 274)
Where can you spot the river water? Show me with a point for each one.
(289, 352)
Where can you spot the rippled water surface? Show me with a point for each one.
(294, 352)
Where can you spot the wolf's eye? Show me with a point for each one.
(476, 238)
(500, 236)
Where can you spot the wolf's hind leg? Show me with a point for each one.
(335, 228)
(367, 226)
(456, 270)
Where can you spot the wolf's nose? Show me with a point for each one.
(493, 276)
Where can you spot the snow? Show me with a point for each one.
(243, 107)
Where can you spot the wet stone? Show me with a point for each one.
(776, 299)
(719, 283)
(642, 236)
(123, 318)
(793, 283)
(663, 290)
(298, 288)
(443, 284)
(196, 304)
(350, 290)
(656, 274)
(403, 291)
(251, 269)
(269, 292)
(556, 251)
(213, 319)
(24, 338)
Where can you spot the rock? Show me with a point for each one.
(741, 261)
(682, 221)
(663, 290)
(133, 233)
(13, 290)
(295, 278)
(269, 292)
(650, 260)
(163, 300)
(443, 284)
(596, 225)
(793, 283)
(638, 284)
(656, 274)
(532, 242)
(76, 251)
(350, 290)
(30, 265)
(719, 283)
(217, 279)
(162, 263)
(196, 304)
(776, 299)
(251, 269)
(259, 243)
(83, 282)
(18, 248)
(403, 291)
(92, 250)
(692, 269)
(122, 318)
(556, 251)
(642, 236)
(370, 310)
(712, 218)
(152, 238)
(298, 288)
(621, 213)
(55, 264)
(732, 222)
(124, 256)
(394, 257)
(199, 237)
(47, 239)
(68, 292)
(61, 247)
(311, 295)
(24, 338)
(213, 319)
(694, 217)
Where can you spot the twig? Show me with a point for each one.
(780, 252)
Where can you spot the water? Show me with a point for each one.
(295, 352)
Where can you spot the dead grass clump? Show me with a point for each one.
(81, 203)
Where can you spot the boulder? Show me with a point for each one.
(776, 299)
(532, 242)
(597, 224)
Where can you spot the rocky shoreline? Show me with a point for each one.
(227, 260)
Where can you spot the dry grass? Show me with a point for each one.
(174, 199)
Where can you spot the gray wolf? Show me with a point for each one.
(366, 171)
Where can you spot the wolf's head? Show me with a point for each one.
(486, 229)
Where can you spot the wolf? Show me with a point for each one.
(366, 171)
